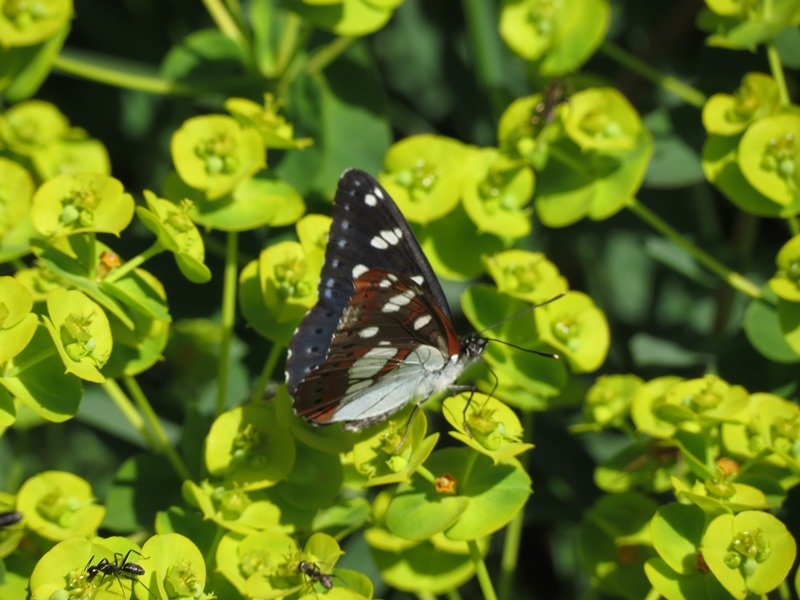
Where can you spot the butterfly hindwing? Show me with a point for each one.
(380, 335)
(390, 344)
(367, 232)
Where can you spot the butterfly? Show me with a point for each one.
(381, 335)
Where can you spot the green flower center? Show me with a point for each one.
(218, 153)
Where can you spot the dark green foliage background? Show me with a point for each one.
(420, 74)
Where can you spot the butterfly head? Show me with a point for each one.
(473, 345)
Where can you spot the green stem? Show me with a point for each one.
(777, 73)
(266, 373)
(487, 49)
(481, 572)
(135, 262)
(426, 475)
(687, 93)
(313, 64)
(327, 54)
(131, 414)
(453, 595)
(794, 224)
(225, 22)
(228, 314)
(735, 280)
(162, 445)
(289, 43)
(117, 72)
(513, 539)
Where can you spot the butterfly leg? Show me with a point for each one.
(457, 389)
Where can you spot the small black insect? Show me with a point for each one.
(120, 568)
(312, 571)
(10, 517)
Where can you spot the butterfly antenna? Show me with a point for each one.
(523, 349)
(522, 312)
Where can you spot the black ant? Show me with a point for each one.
(119, 568)
(11, 517)
(312, 571)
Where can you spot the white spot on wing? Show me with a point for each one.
(418, 279)
(379, 243)
(368, 332)
(371, 363)
(378, 193)
(387, 281)
(395, 303)
(370, 200)
(390, 237)
(398, 232)
(358, 271)
(420, 322)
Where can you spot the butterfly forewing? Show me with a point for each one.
(367, 232)
(380, 334)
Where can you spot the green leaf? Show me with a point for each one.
(257, 201)
(785, 283)
(485, 424)
(424, 175)
(789, 321)
(174, 567)
(616, 542)
(80, 331)
(496, 194)
(345, 17)
(750, 553)
(25, 24)
(576, 328)
(36, 378)
(764, 331)
(757, 97)
(559, 37)
(213, 154)
(329, 111)
(677, 531)
(435, 566)
(698, 585)
(141, 292)
(209, 59)
(394, 451)
(32, 125)
(62, 570)
(769, 157)
(26, 67)
(232, 508)
(721, 166)
(250, 446)
(59, 505)
(313, 482)
(275, 130)
(496, 493)
(17, 323)
(646, 402)
(456, 261)
(70, 204)
(525, 275)
(258, 554)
